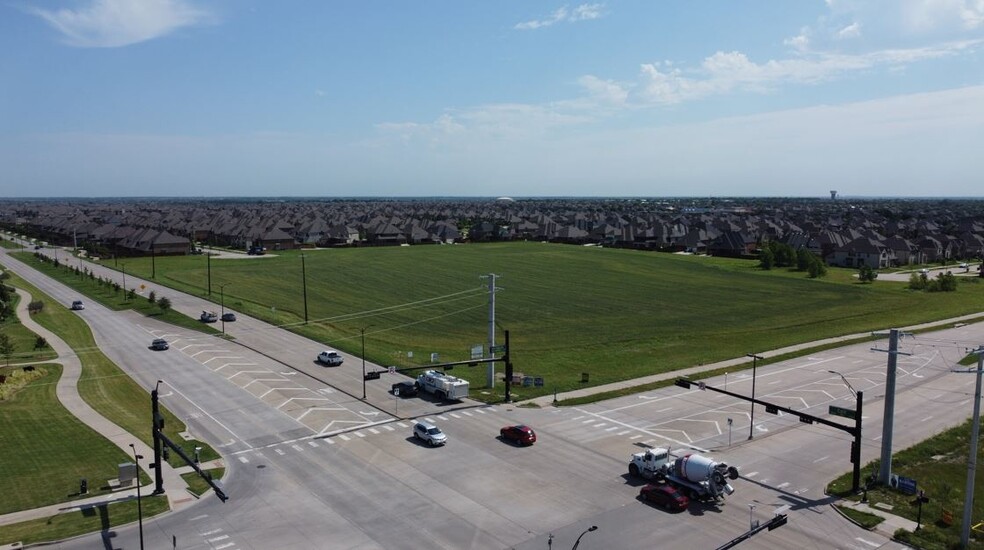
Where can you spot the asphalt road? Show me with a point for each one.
(367, 484)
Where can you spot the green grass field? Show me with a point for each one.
(614, 314)
(43, 456)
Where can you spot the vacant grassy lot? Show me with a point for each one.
(614, 314)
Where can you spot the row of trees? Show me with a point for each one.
(776, 254)
(944, 282)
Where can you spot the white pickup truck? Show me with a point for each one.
(330, 357)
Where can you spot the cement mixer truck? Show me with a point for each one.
(694, 475)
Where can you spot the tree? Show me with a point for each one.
(165, 304)
(816, 268)
(866, 274)
(803, 259)
(131, 294)
(947, 282)
(152, 297)
(6, 347)
(40, 343)
(917, 281)
(766, 259)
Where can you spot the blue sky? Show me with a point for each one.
(103, 98)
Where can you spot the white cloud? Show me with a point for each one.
(584, 12)
(725, 72)
(851, 31)
(800, 42)
(114, 23)
(606, 91)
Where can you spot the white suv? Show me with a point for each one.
(330, 357)
(429, 433)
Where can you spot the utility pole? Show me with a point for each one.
(885, 473)
(304, 284)
(751, 422)
(972, 454)
(490, 379)
(158, 423)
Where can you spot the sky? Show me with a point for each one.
(403, 98)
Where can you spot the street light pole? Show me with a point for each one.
(123, 266)
(751, 423)
(153, 262)
(304, 285)
(578, 541)
(136, 459)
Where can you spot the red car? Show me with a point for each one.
(522, 435)
(665, 496)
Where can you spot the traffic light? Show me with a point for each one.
(83, 486)
(777, 521)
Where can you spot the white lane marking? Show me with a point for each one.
(578, 417)
(466, 413)
(313, 443)
(374, 430)
(782, 485)
(613, 428)
(456, 415)
(226, 428)
(330, 441)
(868, 542)
(280, 452)
(635, 437)
(442, 417)
(664, 410)
(344, 437)
(479, 411)
(821, 459)
(226, 545)
(927, 418)
(212, 532)
(217, 539)
(750, 474)
(360, 434)
(624, 432)
(600, 425)
(243, 459)
(389, 428)
(203, 516)
(402, 425)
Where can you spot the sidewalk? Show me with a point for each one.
(741, 362)
(886, 528)
(68, 395)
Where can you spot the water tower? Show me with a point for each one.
(833, 195)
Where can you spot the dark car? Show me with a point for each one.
(159, 344)
(405, 389)
(664, 496)
(228, 317)
(520, 434)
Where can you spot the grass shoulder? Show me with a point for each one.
(101, 517)
(197, 485)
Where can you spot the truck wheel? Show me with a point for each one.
(634, 470)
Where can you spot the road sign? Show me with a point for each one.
(907, 485)
(391, 369)
(477, 351)
(841, 411)
(497, 349)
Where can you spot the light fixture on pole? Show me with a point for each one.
(586, 531)
(751, 422)
(848, 384)
(136, 460)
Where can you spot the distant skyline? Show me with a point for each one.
(227, 98)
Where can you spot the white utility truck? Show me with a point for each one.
(694, 475)
(443, 386)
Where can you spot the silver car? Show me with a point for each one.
(429, 433)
